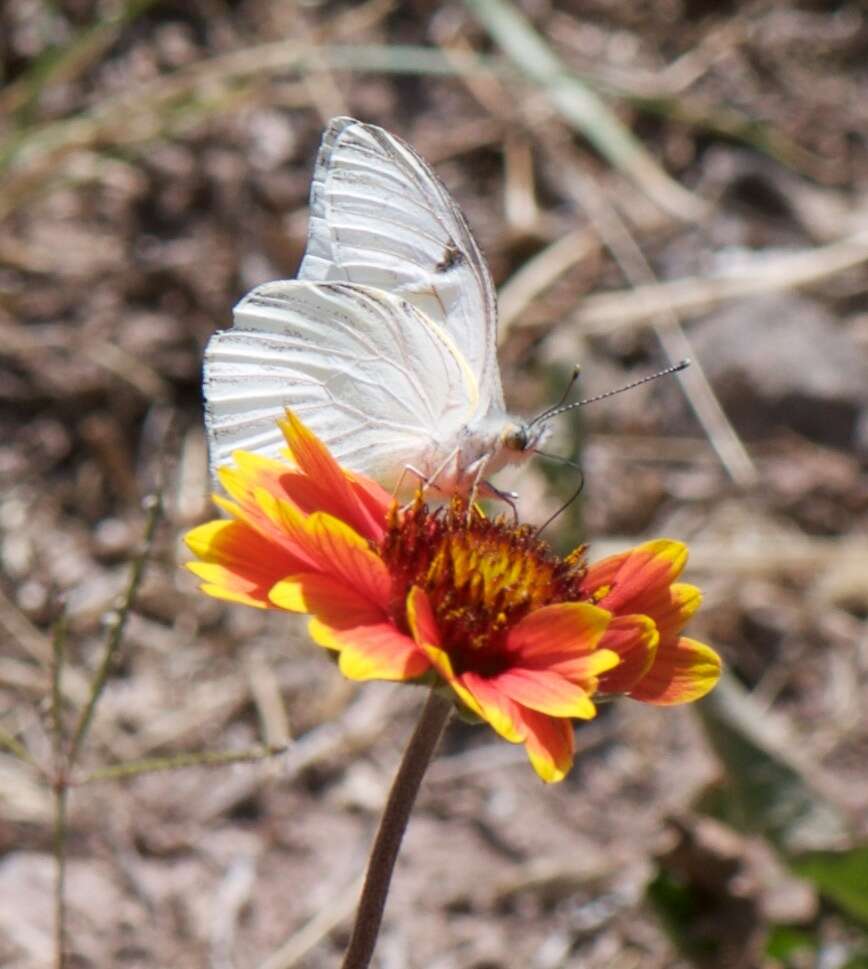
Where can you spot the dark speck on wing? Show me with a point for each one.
(451, 257)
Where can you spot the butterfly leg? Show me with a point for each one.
(488, 490)
(430, 480)
(408, 469)
(479, 486)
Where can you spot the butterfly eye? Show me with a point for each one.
(515, 438)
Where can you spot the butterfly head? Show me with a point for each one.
(523, 437)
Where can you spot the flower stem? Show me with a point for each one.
(405, 787)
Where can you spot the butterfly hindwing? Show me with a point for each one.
(368, 372)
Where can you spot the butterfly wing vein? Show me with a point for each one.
(357, 382)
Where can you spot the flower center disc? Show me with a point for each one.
(481, 576)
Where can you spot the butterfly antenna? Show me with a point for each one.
(570, 384)
(562, 408)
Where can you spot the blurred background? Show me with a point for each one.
(648, 182)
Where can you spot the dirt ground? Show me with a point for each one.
(648, 182)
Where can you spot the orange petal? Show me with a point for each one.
(236, 484)
(549, 744)
(277, 521)
(326, 597)
(241, 563)
(681, 673)
(492, 705)
(253, 473)
(372, 652)
(671, 617)
(442, 664)
(480, 695)
(219, 582)
(546, 692)
(245, 485)
(634, 639)
(473, 691)
(421, 618)
(423, 626)
(281, 520)
(315, 460)
(373, 496)
(262, 472)
(370, 646)
(584, 670)
(637, 580)
(557, 633)
(309, 496)
(342, 552)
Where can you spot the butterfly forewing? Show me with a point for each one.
(375, 379)
(380, 217)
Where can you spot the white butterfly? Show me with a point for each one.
(385, 344)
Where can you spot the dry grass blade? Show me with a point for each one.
(298, 945)
(728, 122)
(20, 629)
(757, 556)
(233, 895)
(540, 272)
(608, 312)
(638, 271)
(778, 789)
(197, 92)
(39, 155)
(763, 554)
(322, 88)
(265, 691)
(62, 64)
(581, 107)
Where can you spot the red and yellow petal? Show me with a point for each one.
(491, 704)
(277, 521)
(682, 672)
(327, 597)
(221, 583)
(548, 740)
(281, 520)
(342, 552)
(549, 744)
(245, 503)
(262, 472)
(635, 640)
(636, 581)
(473, 691)
(421, 619)
(372, 652)
(672, 615)
(546, 692)
(345, 620)
(326, 544)
(237, 563)
(364, 508)
(373, 497)
(557, 633)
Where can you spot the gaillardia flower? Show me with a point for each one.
(525, 639)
